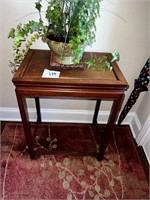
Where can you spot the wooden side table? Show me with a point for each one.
(72, 83)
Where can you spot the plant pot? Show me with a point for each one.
(62, 51)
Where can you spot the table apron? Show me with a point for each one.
(67, 93)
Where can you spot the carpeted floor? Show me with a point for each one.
(76, 176)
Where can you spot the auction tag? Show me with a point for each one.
(50, 74)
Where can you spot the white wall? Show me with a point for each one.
(143, 110)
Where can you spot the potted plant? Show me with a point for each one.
(68, 27)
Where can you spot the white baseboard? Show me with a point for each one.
(72, 116)
(54, 115)
(143, 138)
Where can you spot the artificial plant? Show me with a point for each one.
(68, 21)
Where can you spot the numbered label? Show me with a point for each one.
(50, 74)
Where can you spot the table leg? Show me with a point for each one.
(37, 103)
(25, 121)
(98, 102)
(110, 125)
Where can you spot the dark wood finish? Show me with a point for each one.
(98, 103)
(75, 83)
(140, 152)
(37, 103)
(144, 162)
(2, 125)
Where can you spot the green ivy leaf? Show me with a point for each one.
(102, 59)
(26, 28)
(34, 26)
(38, 6)
(11, 33)
(116, 56)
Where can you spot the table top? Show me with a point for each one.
(31, 70)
